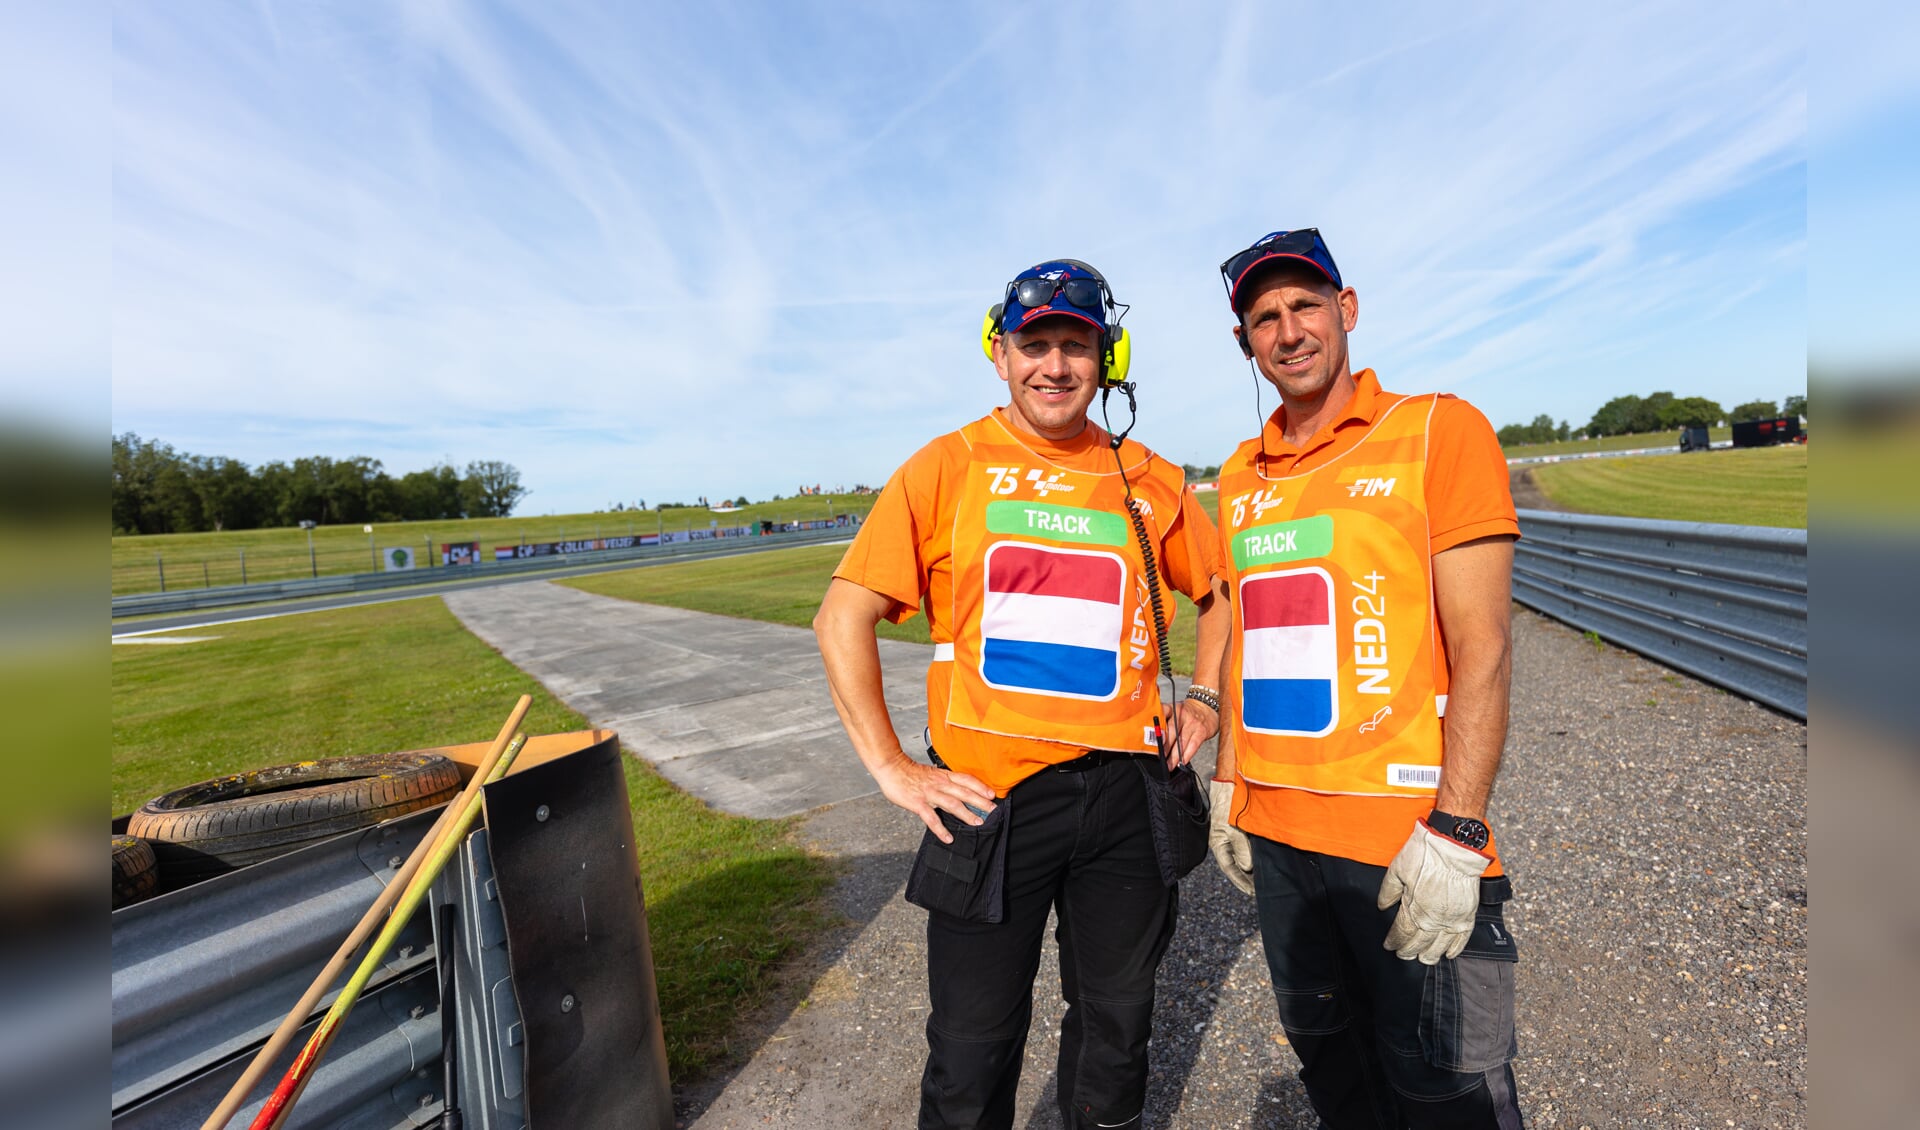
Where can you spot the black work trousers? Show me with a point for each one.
(1385, 1043)
(1080, 846)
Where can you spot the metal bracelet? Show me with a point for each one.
(1207, 698)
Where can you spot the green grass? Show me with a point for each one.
(728, 899)
(1210, 502)
(198, 560)
(784, 586)
(1670, 438)
(1764, 486)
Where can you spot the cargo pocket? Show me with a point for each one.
(966, 878)
(1177, 813)
(1466, 1010)
(1311, 1013)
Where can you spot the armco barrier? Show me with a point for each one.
(190, 600)
(202, 975)
(1725, 603)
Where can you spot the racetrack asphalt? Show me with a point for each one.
(135, 626)
(1655, 828)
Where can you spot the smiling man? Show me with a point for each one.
(1369, 540)
(1040, 589)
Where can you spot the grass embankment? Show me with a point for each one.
(1765, 486)
(727, 898)
(784, 587)
(198, 560)
(1633, 442)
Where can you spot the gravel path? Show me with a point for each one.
(1526, 491)
(1656, 831)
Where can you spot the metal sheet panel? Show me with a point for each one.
(562, 847)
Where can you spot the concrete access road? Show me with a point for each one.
(1655, 828)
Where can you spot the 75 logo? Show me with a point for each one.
(1006, 480)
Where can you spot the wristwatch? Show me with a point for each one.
(1460, 829)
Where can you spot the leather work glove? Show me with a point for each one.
(1231, 849)
(1437, 884)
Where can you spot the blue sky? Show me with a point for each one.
(659, 251)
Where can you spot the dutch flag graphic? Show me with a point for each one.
(1288, 664)
(1051, 622)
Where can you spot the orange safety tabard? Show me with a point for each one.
(1053, 632)
(1338, 685)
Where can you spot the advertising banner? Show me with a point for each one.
(460, 553)
(587, 545)
(843, 521)
(678, 536)
(399, 558)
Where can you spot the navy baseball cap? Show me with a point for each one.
(1301, 244)
(1061, 286)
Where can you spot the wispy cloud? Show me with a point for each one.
(668, 251)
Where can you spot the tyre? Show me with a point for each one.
(214, 826)
(136, 874)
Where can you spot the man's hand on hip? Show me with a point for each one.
(921, 789)
(1437, 884)
(1232, 851)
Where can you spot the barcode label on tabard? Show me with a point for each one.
(1413, 776)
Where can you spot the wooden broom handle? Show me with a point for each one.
(283, 1035)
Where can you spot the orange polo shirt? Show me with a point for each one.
(904, 551)
(1467, 498)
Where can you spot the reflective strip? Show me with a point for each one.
(943, 653)
(1440, 705)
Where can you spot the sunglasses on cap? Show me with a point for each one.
(1301, 243)
(1035, 293)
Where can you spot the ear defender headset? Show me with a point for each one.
(1116, 349)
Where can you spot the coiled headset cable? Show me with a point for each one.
(1170, 728)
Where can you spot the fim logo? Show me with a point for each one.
(1367, 488)
(1043, 487)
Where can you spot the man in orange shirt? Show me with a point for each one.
(1037, 545)
(1368, 537)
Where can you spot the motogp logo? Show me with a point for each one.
(1261, 501)
(1048, 485)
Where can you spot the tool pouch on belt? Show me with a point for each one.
(1177, 812)
(1466, 1007)
(966, 878)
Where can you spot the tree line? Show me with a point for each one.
(157, 490)
(1657, 412)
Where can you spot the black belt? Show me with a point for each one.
(1094, 759)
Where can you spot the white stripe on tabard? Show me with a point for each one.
(1051, 619)
(1303, 652)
